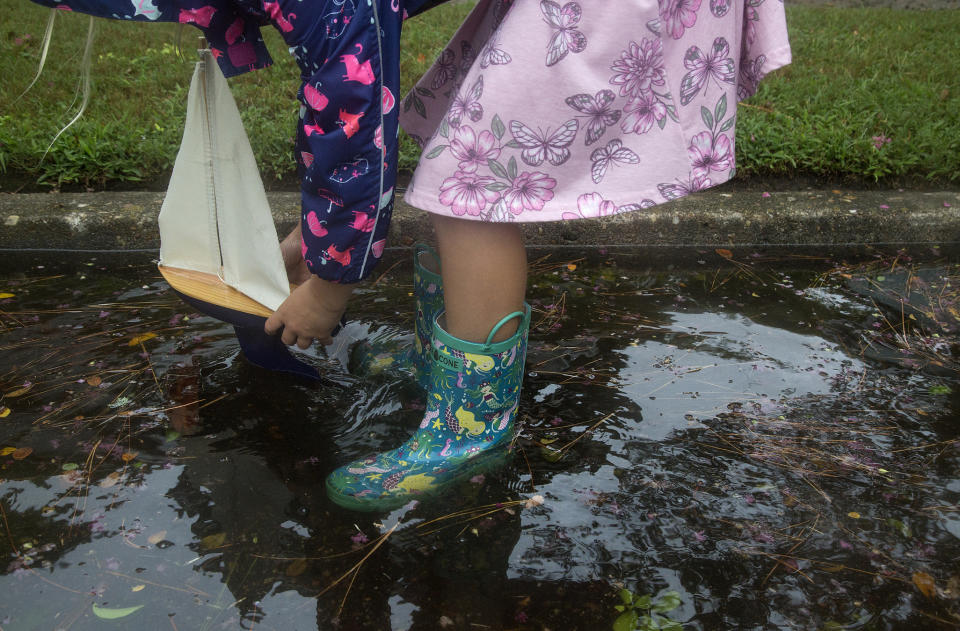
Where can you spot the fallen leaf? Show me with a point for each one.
(23, 452)
(213, 541)
(925, 584)
(157, 537)
(111, 480)
(4, 412)
(94, 381)
(952, 590)
(113, 614)
(571, 266)
(727, 254)
(296, 568)
(535, 500)
(137, 588)
(854, 514)
(129, 455)
(6, 295)
(6, 451)
(19, 392)
(141, 338)
(69, 466)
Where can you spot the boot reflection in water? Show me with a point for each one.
(399, 356)
(476, 360)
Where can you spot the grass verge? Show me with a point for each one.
(871, 96)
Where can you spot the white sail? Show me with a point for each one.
(215, 217)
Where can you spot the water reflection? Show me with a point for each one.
(722, 433)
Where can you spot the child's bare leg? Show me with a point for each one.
(484, 269)
(290, 248)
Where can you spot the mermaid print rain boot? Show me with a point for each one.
(471, 406)
(398, 355)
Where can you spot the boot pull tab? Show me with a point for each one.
(504, 320)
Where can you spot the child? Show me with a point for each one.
(537, 111)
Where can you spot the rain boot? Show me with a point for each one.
(400, 356)
(468, 425)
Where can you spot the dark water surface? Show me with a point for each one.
(775, 438)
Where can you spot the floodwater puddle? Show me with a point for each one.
(754, 441)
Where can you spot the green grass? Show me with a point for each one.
(857, 74)
(131, 130)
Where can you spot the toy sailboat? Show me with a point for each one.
(218, 245)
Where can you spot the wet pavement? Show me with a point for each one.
(772, 435)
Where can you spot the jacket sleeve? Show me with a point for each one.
(346, 138)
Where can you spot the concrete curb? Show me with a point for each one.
(128, 220)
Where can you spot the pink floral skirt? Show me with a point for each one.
(540, 111)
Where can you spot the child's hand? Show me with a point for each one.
(313, 310)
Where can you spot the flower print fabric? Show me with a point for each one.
(542, 110)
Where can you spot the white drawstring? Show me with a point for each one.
(84, 82)
(47, 35)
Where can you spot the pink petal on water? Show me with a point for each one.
(765, 194)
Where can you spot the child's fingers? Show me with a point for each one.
(289, 337)
(273, 324)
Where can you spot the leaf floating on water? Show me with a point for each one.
(19, 392)
(853, 514)
(110, 480)
(6, 451)
(940, 390)
(129, 455)
(727, 254)
(925, 583)
(213, 541)
(69, 466)
(119, 402)
(157, 537)
(296, 568)
(4, 412)
(94, 381)
(550, 454)
(112, 614)
(141, 338)
(6, 295)
(23, 452)
(137, 588)
(900, 527)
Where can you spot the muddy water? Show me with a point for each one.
(771, 436)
